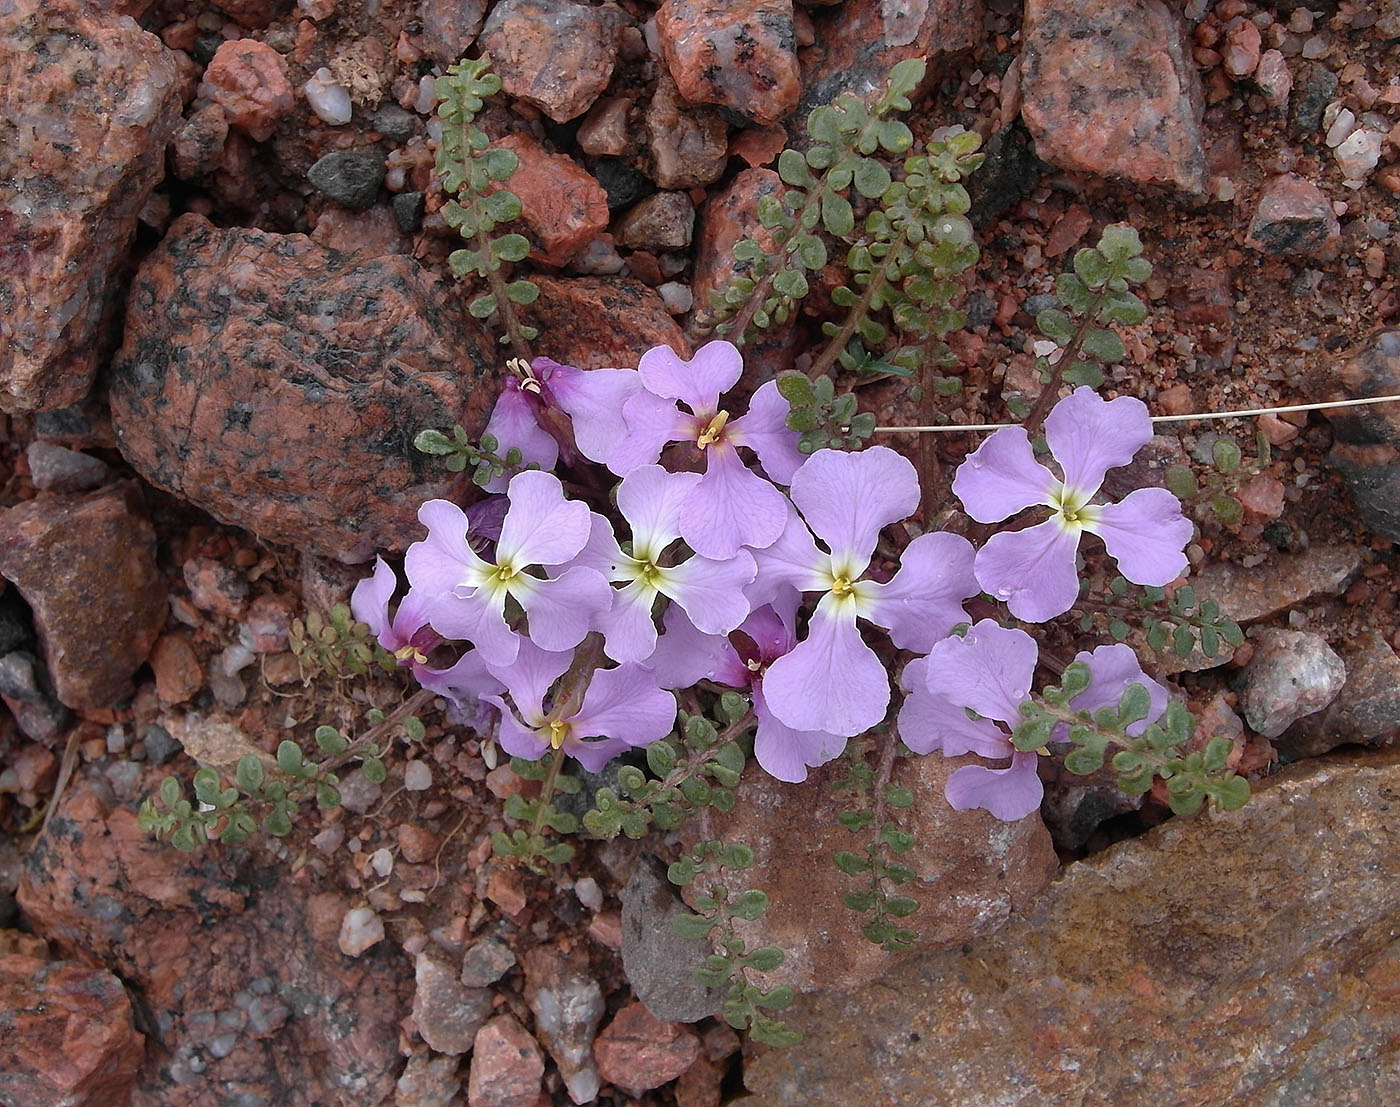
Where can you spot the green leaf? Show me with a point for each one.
(894, 136)
(502, 207)
(330, 741)
(901, 906)
(1183, 641)
(1232, 794)
(1123, 308)
(500, 163)
(206, 786)
(1085, 373)
(860, 901)
(1091, 267)
(483, 307)
(1104, 345)
(1226, 454)
(278, 823)
(250, 774)
(374, 770)
(1073, 294)
(750, 904)
(1083, 762)
(871, 178)
(170, 791)
(765, 959)
(289, 758)
(790, 283)
(327, 796)
(511, 247)
(837, 216)
(1181, 482)
(1227, 509)
(1135, 704)
(852, 864)
(1056, 326)
(810, 251)
(792, 168)
(1119, 242)
(522, 292)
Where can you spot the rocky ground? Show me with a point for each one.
(226, 314)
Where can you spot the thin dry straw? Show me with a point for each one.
(1242, 414)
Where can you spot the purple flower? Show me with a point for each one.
(622, 709)
(710, 592)
(465, 595)
(1112, 668)
(1034, 570)
(409, 638)
(592, 398)
(731, 506)
(989, 671)
(514, 425)
(832, 681)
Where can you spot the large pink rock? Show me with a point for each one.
(555, 54)
(563, 207)
(66, 1035)
(601, 322)
(279, 385)
(1110, 88)
(80, 155)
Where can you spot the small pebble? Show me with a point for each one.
(417, 776)
(360, 929)
(351, 179)
(329, 100)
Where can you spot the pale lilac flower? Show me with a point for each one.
(990, 671)
(514, 425)
(592, 398)
(410, 639)
(622, 709)
(1034, 570)
(710, 592)
(1112, 668)
(731, 507)
(466, 595)
(832, 681)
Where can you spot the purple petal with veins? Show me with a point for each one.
(441, 561)
(847, 498)
(1146, 533)
(830, 681)
(697, 383)
(731, 507)
(786, 754)
(1033, 570)
(1009, 794)
(561, 611)
(650, 499)
(1002, 477)
(923, 601)
(626, 704)
(541, 527)
(513, 424)
(600, 553)
(649, 422)
(765, 431)
(929, 722)
(1089, 435)
(684, 656)
(592, 399)
(530, 676)
(790, 562)
(988, 670)
(369, 603)
(629, 631)
(466, 681)
(711, 592)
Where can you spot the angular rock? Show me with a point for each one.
(248, 79)
(659, 964)
(429, 1081)
(1366, 440)
(664, 221)
(86, 565)
(350, 178)
(59, 469)
(555, 54)
(727, 217)
(448, 1013)
(1294, 217)
(80, 157)
(198, 146)
(1273, 78)
(972, 872)
(239, 962)
(176, 668)
(1263, 938)
(279, 385)
(602, 322)
(485, 962)
(449, 27)
(687, 146)
(1242, 48)
(66, 1035)
(1292, 673)
(507, 1066)
(739, 55)
(1110, 88)
(638, 1052)
(1367, 709)
(568, 1006)
(28, 693)
(563, 207)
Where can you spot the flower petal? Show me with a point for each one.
(530, 676)
(467, 680)
(629, 633)
(765, 431)
(1032, 570)
(1090, 435)
(1146, 533)
(832, 681)
(1114, 667)
(514, 425)
(790, 562)
(369, 602)
(650, 499)
(600, 553)
(648, 424)
(683, 656)
(847, 498)
(923, 602)
(731, 507)
(786, 754)
(442, 561)
(515, 738)
(561, 611)
(1002, 477)
(988, 670)
(712, 592)
(541, 527)
(697, 383)
(929, 722)
(595, 754)
(1009, 794)
(591, 398)
(625, 703)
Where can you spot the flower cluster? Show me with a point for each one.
(726, 556)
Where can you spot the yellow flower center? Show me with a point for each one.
(558, 733)
(712, 432)
(410, 653)
(841, 586)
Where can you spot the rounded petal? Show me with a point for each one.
(847, 498)
(514, 425)
(732, 507)
(541, 527)
(1009, 794)
(1146, 533)
(625, 703)
(765, 431)
(791, 562)
(648, 424)
(595, 754)
(442, 561)
(712, 592)
(479, 619)
(989, 670)
(591, 398)
(529, 677)
(786, 754)
(1089, 435)
(468, 680)
(1002, 477)
(629, 634)
(515, 738)
(1032, 570)
(832, 681)
(369, 602)
(683, 656)
(562, 611)
(1113, 668)
(929, 722)
(650, 500)
(923, 602)
(697, 383)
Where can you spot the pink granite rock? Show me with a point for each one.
(1294, 218)
(66, 1036)
(555, 54)
(563, 207)
(637, 1051)
(449, 27)
(687, 146)
(248, 79)
(507, 1066)
(1109, 87)
(86, 565)
(601, 322)
(739, 55)
(279, 385)
(80, 157)
(727, 217)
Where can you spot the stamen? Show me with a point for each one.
(714, 430)
(410, 653)
(558, 733)
(841, 586)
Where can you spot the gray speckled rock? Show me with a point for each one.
(1292, 673)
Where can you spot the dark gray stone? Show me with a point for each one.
(408, 211)
(29, 694)
(59, 469)
(394, 123)
(350, 179)
(659, 963)
(160, 745)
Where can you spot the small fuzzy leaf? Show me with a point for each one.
(1056, 326)
(1123, 308)
(1104, 345)
(522, 292)
(1091, 267)
(837, 216)
(1119, 242)
(511, 247)
(792, 168)
(871, 178)
(483, 307)
(1181, 482)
